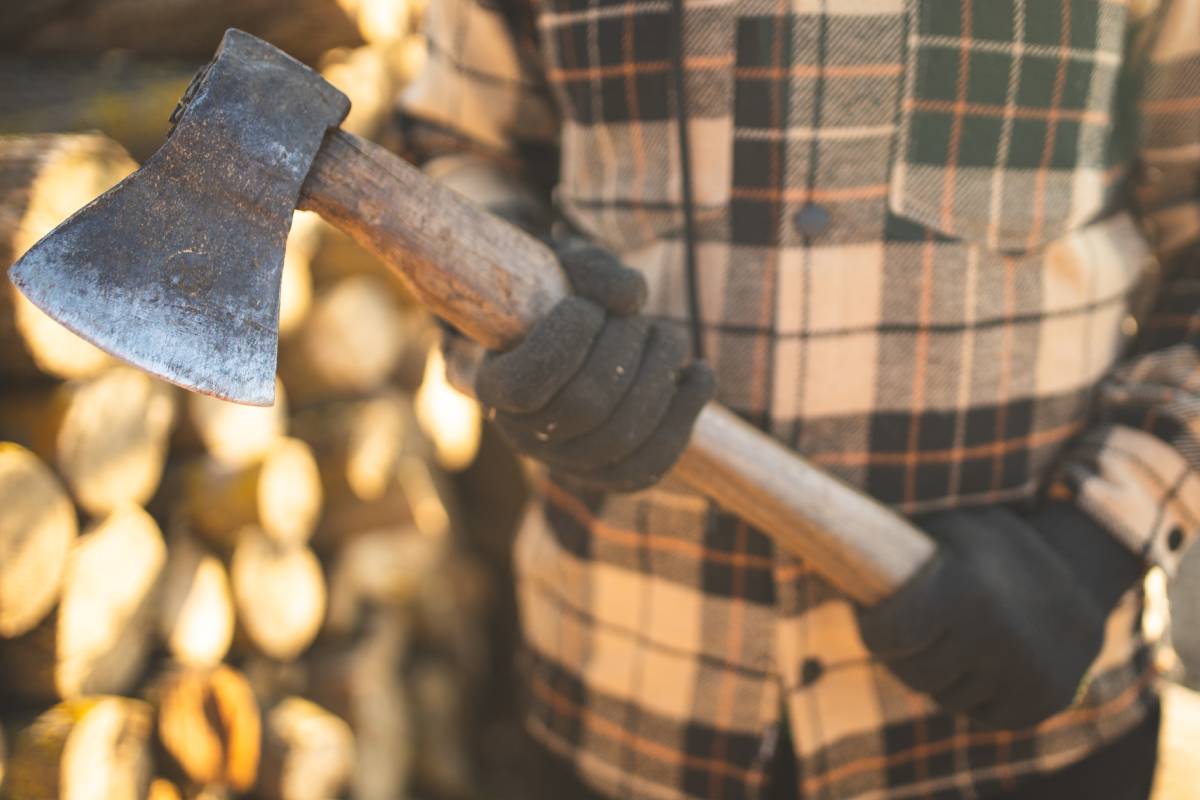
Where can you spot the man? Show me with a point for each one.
(912, 239)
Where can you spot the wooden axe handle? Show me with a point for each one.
(492, 282)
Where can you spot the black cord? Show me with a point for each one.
(685, 167)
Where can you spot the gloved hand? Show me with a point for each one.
(1004, 622)
(595, 390)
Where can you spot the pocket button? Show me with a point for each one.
(1129, 326)
(812, 220)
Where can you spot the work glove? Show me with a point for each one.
(595, 390)
(1004, 622)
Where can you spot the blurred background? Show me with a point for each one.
(202, 600)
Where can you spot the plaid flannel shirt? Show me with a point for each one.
(946, 249)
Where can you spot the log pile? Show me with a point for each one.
(204, 600)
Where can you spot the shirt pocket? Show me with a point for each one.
(608, 69)
(1005, 126)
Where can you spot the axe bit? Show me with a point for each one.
(177, 270)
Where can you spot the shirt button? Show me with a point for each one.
(812, 220)
(1129, 326)
(1175, 539)
(811, 671)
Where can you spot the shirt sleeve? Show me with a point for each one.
(1138, 471)
(482, 88)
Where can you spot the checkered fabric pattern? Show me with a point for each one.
(947, 250)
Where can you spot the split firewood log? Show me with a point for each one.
(43, 180)
(37, 527)
(384, 567)
(418, 496)
(373, 481)
(107, 435)
(363, 74)
(96, 639)
(449, 418)
(339, 257)
(443, 761)
(209, 724)
(279, 594)
(348, 345)
(308, 753)
(195, 611)
(235, 434)
(296, 283)
(380, 22)
(280, 494)
(362, 685)
(359, 444)
(89, 748)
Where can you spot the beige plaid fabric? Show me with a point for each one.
(946, 249)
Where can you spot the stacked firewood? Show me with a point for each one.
(205, 600)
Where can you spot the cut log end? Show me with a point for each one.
(279, 593)
(350, 343)
(235, 434)
(209, 722)
(308, 755)
(95, 748)
(43, 180)
(280, 494)
(289, 492)
(195, 613)
(37, 527)
(97, 638)
(113, 436)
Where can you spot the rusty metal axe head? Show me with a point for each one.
(177, 268)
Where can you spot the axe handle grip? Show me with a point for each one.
(493, 282)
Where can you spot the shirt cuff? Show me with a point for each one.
(1140, 489)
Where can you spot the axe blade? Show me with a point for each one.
(177, 268)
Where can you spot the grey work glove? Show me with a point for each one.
(595, 390)
(1004, 622)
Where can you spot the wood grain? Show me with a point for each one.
(492, 282)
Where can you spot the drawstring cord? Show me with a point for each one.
(685, 168)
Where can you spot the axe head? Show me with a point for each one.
(176, 269)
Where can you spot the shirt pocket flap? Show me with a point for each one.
(1006, 124)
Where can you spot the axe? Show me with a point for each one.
(177, 271)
